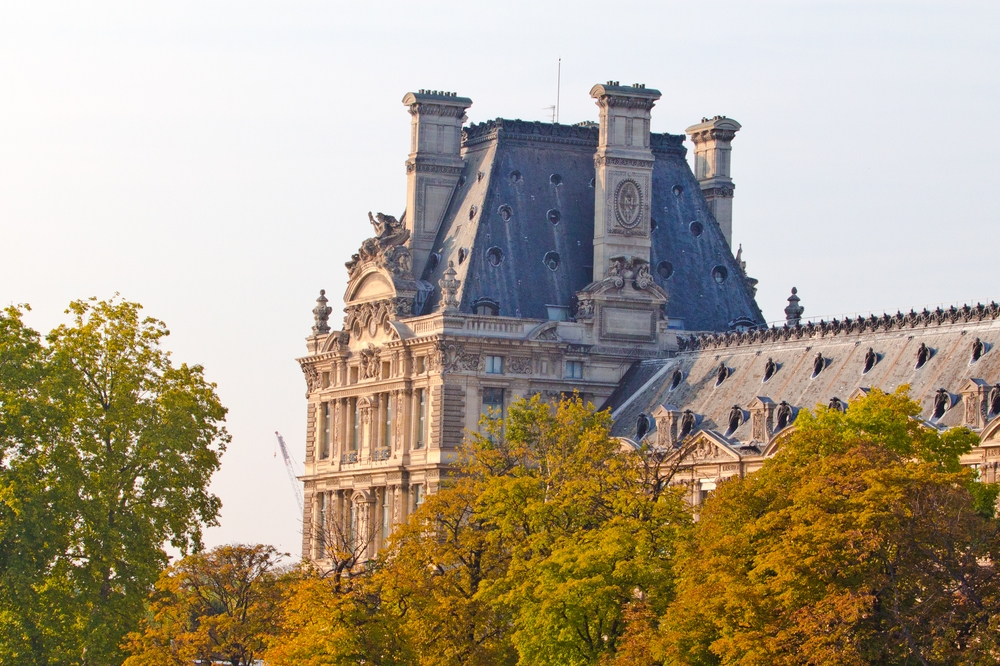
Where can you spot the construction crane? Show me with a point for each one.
(290, 468)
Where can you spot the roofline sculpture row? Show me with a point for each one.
(847, 326)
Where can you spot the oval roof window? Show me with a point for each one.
(494, 255)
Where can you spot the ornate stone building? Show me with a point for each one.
(538, 258)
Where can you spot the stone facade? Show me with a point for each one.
(538, 258)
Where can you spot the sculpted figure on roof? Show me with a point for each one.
(387, 247)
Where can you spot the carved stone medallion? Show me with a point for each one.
(628, 203)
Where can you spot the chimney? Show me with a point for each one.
(433, 166)
(624, 166)
(712, 140)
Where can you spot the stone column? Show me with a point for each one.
(712, 140)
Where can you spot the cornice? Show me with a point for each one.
(522, 130)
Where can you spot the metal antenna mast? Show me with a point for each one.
(558, 86)
(290, 468)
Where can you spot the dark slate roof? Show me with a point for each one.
(528, 191)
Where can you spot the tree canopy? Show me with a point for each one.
(862, 541)
(531, 553)
(213, 606)
(106, 451)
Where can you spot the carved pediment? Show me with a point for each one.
(626, 276)
(991, 433)
(707, 447)
(381, 272)
(370, 287)
(776, 442)
(627, 286)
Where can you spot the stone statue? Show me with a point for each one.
(687, 423)
(784, 414)
(818, 363)
(977, 349)
(735, 418)
(641, 427)
(995, 399)
(836, 403)
(675, 379)
(923, 353)
(941, 403)
(769, 369)
(386, 226)
(871, 358)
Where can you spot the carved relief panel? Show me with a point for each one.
(627, 199)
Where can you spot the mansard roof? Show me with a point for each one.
(520, 227)
(948, 336)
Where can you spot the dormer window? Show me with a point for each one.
(486, 307)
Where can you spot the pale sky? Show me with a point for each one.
(216, 161)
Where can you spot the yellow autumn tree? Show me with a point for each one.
(216, 606)
(861, 542)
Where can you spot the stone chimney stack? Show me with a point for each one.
(433, 166)
(712, 140)
(624, 165)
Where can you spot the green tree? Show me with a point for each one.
(860, 542)
(220, 605)
(532, 553)
(107, 451)
(591, 526)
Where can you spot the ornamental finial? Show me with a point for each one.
(793, 313)
(322, 314)
(449, 288)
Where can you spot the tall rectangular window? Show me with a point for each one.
(421, 418)
(321, 526)
(324, 451)
(355, 424)
(352, 528)
(387, 424)
(494, 365)
(385, 515)
(493, 402)
(574, 369)
(417, 491)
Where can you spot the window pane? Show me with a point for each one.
(421, 417)
(325, 449)
(355, 424)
